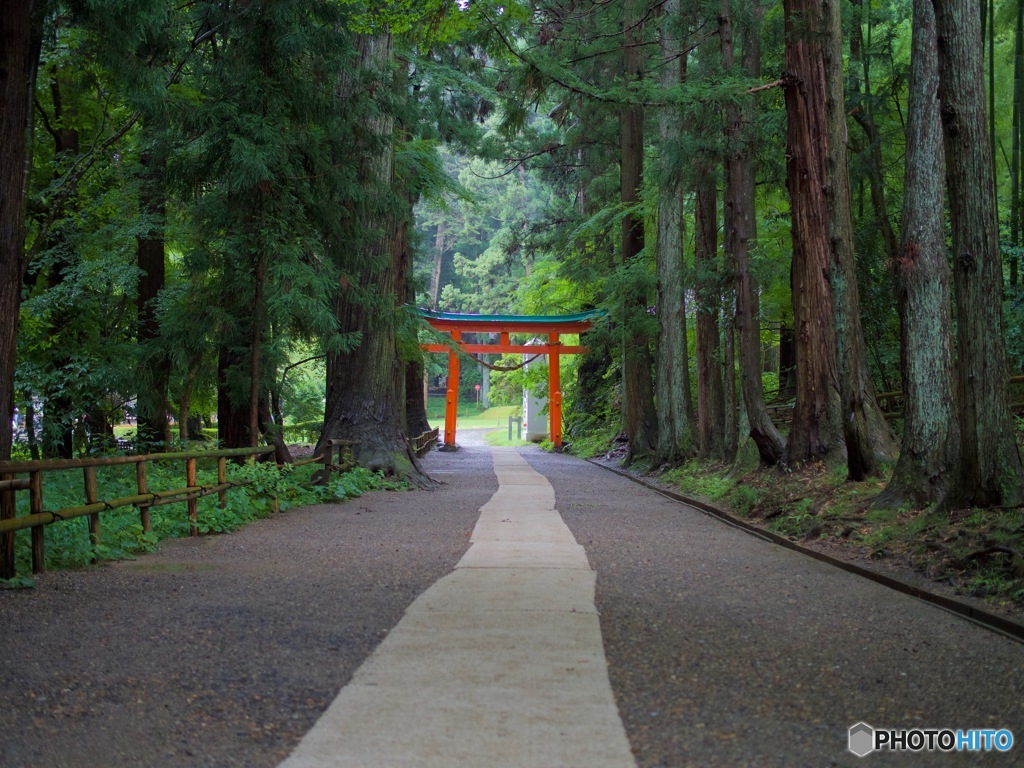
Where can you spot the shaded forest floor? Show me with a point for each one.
(972, 554)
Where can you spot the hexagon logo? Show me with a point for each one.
(862, 739)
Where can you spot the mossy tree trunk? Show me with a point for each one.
(991, 471)
(366, 385)
(929, 457)
(672, 377)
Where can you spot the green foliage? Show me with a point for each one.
(262, 487)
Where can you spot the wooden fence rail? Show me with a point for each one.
(421, 444)
(336, 456)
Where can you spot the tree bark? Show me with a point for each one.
(415, 408)
(742, 230)
(991, 470)
(929, 457)
(364, 392)
(18, 56)
(232, 410)
(672, 374)
(816, 432)
(710, 399)
(152, 411)
(866, 433)
(638, 394)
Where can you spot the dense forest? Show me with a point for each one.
(224, 212)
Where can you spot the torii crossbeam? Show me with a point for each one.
(551, 326)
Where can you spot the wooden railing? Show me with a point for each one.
(337, 456)
(421, 444)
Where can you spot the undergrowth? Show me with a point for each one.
(68, 544)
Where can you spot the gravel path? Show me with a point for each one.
(726, 650)
(223, 650)
(723, 650)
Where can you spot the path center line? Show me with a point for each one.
(499, 663)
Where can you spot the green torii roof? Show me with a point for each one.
(493, 323)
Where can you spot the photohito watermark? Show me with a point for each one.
(865, 739)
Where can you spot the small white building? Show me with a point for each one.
(535, 421)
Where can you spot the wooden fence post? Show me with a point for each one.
(193, 502)
(91, 497)
(328, 461)
(142, 481)
(222, 478)
(38, 533)
(8, 569)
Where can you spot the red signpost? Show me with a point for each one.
(553, 326)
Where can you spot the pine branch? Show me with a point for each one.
(775, 84)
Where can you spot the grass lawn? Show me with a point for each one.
(471, 416)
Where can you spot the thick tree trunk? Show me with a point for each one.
(153, 425)
(816, 432)
(18, 54)
(865, 431)
(991, 470)
(1018, 98)
(672, 376)
(232, 409)
(638, 394)
(415, 408)
(710, 399)
(929, 458)
(365, 387)
(740, 203)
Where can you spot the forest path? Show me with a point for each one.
(722, 649)
(499, 664)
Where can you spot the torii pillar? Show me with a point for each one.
(554, 392)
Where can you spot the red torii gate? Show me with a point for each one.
(503, 325)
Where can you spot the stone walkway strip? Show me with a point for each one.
(499, 663)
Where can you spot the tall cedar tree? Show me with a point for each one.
(866, 433)
(675, 417)
(18, 60)
(926, 470)
(991, 470)
(740, 201)
(19, 52)
(710, 397)
(816, 432)
(366, 386)
(638, 395)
